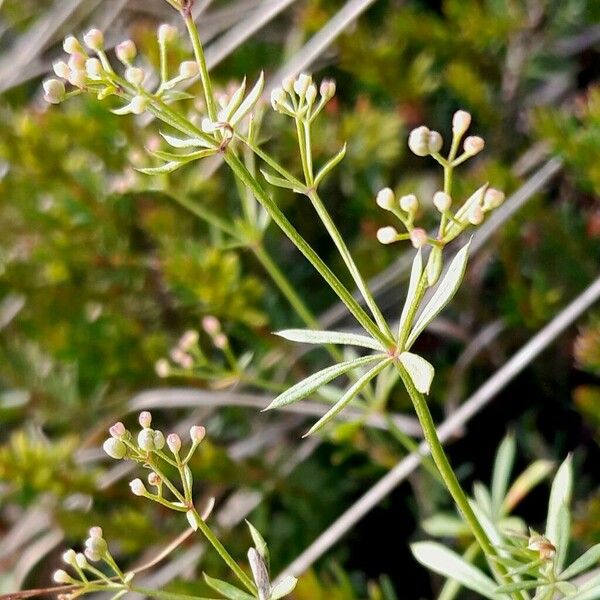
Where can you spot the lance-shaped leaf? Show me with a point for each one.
(505, 458)
(443, 294)
(283, 183)
(259, 542)
(314, 382)
(175, 95)
(168, 167)
(588, 559)
(251, 99)
(310, 336)
(226, 589)
(560, 496)
(350, 394)
(421, 371)
(283, 588)
(415, 277)
(234, 102)
(183, 158)
(590, 590)
(186, 142)
(330, 165)
(443, 561)
(525, 482)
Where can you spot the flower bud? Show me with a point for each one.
(71, 45)
(418, 237)
(162, 367)
(386, 199)
(174, 443)
(137, 487)
(97, 546)
(278, 97)
(78, 78)
(301, 84)
(418, 141)
(145, 440)
(61, 576)
(69, 557)
(311, 94)
(220, 341)
(288, 84)
(81, 561)
(476, 216)
(166, 33)
(54, 91)
(114, 448)
(154, 479)
(435, 142)
(183, 359)
(211, 325)
(145, 418)
(94, 39)
(61, 68)
(138, 105)
(442, 201)
(93, 68)
(473, 145)
(492, 199)
(134, 75)
(387, 235)
(96, 532)
(126, 51)
(197, 433)
(188, 69)
(327, 89)
(159, 440)
(77, 62)
(188, 339)
(409, 203)
(117, 430)
(461, 121)
(91, 555)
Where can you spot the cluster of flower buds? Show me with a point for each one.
(96, 74)
(96, 550)
(424, 142)
(297, 97)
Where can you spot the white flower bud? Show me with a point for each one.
(278, 97)
(327, 89)
(311, 94)
(92, 555)
(153, 479)
(301, 84)
(77, 62)
(61, 576)
(166, 33)
(386, 199)
(188, 69)
(476, 215)
(138, 105)
(96, 532)
(492, 199)
(70, 557)
(93, 68)
(82, 562)
(126, 51)
(442, 201)
(288, 84)
(174, 443)
(97, 546)
(197, 433)
(71, 45)
(54, 91)
(473, 145)
(409, 203)
(435, 142)
(387, 235)
(418, 141)
(461, 121)
(145, 419)
(188, 339)
(183, 359)
(78, 78)
(135, 75)
(137, 487)
(159, 440)
(145, 440)
(162, 367)
(117, 430)
(115, 448)
(61, 68)
(418, 237)
(211, 325)
(94, 39)
(220, 341)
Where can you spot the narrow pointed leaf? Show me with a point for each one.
(505, 458)
(330, 165)
(415, 277)
(234, 103)
(309, 336)
(443, 294)
(166, 168)
(176, 95)
(226, 589)
(525, 482)
(518, 585)
(314, 382)
(283, 588)
(183, 158)
(251, 99)
(443, 561)
(259, 542)
(351, 393)
(282, 183)
(421, 371)
(124, 110)
(590, 590)
(585, 561)
(184, 143)
(560, 495)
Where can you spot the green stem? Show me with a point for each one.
(216, 544)
(201, 60)
(163, 595)
(267, 202)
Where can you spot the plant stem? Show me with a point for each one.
(216, 544)
(163, 595)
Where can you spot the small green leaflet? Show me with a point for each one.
(350, 394)
(226, 589)
(560, 496)
(314, 382)
(282, 183)
(283, 588)
(443, 294)
(329, 166)
(415, 277)
(585, 561)
(421, 371)
(445, 562)
(310, 336)
(259, 542)
(185, 143)
(505, 458)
